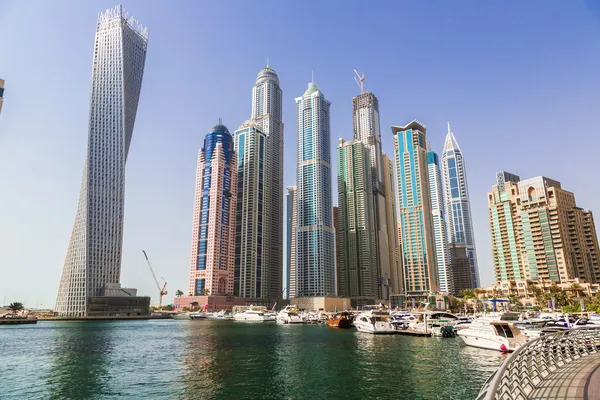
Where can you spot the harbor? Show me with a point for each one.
(224, 359)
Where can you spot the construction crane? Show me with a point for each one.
(162, 291)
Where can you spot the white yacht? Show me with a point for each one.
(254, 315)
(500, 335)
(198, 315)
(289, 315)
(374, 321)
(222, 315)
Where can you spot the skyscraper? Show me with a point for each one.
(389, 184)
(250, 145)
(1, 94)
(290, 234)
(365, 117)
(315, 259)
(213, 225)
(267, 111)
(416, 226)
(458, 208)
(93, 261)
(358, 272)
(549, 237)
(439, 224)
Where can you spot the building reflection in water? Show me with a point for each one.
(80, 353)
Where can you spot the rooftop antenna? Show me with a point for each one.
(220, 121)
(312, 76)
(360, 81)
(268, 66)
(449, 127)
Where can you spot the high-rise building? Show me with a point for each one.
(553, 239)
(213, 226)
(338, 255)
(93, 261)
(459, 270)
(389, 184)
(1, 94)
(365, 117)
(267, 112)
(505, 230)
(250, 147)
(315, 243)
(502, 177)
(439, 223)
(358, 270)
(416, 225)
(458, 207)
(290, 234)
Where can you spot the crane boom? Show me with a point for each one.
(162, 291)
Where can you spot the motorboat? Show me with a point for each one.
(501, 335)
(340, 320)
(182, 316)
(198, 315)
(222, 315)
(254, 315)
(289, 315)
(374, 321)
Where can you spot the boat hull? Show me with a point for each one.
(496, 343)
(377, 329)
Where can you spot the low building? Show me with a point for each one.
(525, 289)
(459, 272)
(213, 303)
(321, 303)
(118, 306)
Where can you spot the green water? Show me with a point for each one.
(167, 359)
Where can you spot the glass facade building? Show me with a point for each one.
(315, 252)
(213, 223)
(458, 207)
(250, 145)
(358, 272)
(414, 199)
(439, 224)
(93, 259)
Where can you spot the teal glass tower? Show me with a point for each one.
(414, 199)
(315, 251)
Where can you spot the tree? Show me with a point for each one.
(467, 294)
(204, 292)
(575, 288)
(16, 307)
(178, 293)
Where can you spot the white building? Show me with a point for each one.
(93, 261)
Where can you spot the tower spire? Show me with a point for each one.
(449, 127)
(268, 66)
(312, 79)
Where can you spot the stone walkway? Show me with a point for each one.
(579, 380)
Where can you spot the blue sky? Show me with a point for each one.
(518, 81)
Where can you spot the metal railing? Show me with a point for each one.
(525, 369)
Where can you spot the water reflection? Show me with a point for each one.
(80, 353)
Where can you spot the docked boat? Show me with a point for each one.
(340, 320)
(374, 321)
(501, 335)
(254, 315)
(289, 315)
(182, 316)
(198, 315)
(222, 315)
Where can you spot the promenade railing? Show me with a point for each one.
(526, 368)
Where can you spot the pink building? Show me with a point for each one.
(213, 232)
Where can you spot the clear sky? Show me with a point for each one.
(519, 82)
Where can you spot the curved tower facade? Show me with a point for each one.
(213, 226)
(267, 114)
(458, 207)
(315, 251)
(93, 261)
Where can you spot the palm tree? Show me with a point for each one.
(15, 307)
(575, 288)
(178, 293)
(467, 294)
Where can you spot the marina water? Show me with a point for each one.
(167, 359)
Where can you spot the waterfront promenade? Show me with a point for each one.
(564, 365)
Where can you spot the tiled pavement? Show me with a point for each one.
(579, 379)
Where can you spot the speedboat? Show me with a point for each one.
(374, 321)
(500, 335)
(289, 315)
(253, 315)
(222, 315)
(198, 315)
